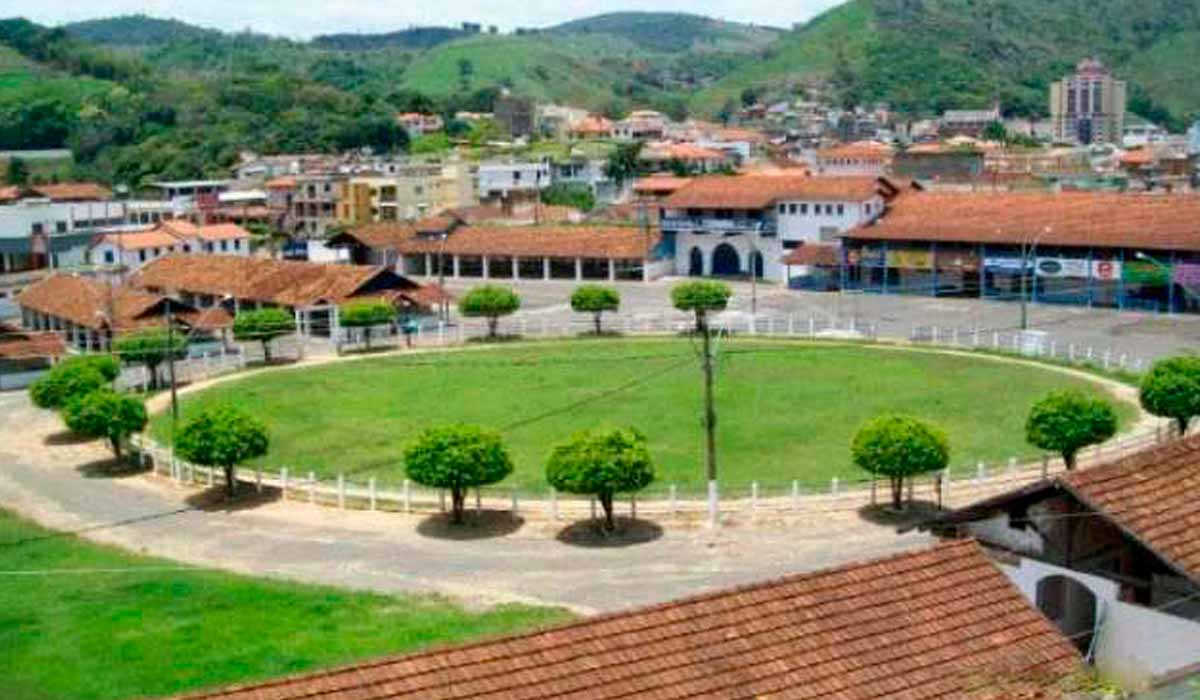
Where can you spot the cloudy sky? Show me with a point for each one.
(304, 18)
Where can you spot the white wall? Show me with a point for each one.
(503, 177)
(1138, 644)
(806, 223)
(770, 248)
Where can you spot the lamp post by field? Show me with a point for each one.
(1028, 254)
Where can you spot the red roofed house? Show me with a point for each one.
(1110, 553)
(437, 247)
(939, 623)
(695, 158)
(129, 250)
(732, 225)
(1129, 251)
(858, 158)
(24, 355)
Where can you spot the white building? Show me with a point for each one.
(743, 225)
(641, 125)
(513, 180)
(129, 250)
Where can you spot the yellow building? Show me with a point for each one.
(406, 192)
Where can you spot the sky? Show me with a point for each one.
(306, 18)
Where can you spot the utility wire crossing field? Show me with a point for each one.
(88, 622)
(786, 410)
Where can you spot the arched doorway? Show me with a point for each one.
(757, 264)
(1071, 606)
(695, 263)
(725, 261)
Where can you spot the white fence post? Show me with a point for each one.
(283, 483)
(833, 487)
(674, 500)
(980, 472)
(312, 487)
(795, 494)
(407, 497)
(258, 479)
(553, 504)
(371, 487)
(341, 494)
(754, 495)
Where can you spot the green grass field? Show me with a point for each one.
(786, 410)
(124, 633)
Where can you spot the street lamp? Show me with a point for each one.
(1028, 252)
(443, 303)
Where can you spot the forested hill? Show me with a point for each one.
(137, 30)
(930, 55)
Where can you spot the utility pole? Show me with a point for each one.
(171, 368)
(1024, 283)
(710, 419)
(443, 303)
(753, 276)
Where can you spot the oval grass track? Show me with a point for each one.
(787, 410)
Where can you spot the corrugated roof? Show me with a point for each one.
(926, 625)
(1100, 219)
(761, 191)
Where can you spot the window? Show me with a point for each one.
(782, 208)
(804, 209)
(841, 208)
(157, 252)
(867, 207)
(60, 226)
(109, 258)
(187, 247)
(237, 244)
(792, 209)
(142, 255)
(224, 246)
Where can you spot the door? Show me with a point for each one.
(1071, 606)
(725, 261)
(695, 263)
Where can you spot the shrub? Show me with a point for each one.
(107, 365)
(106, 414)
(151, 347)
(595, 299)
(457, 457)
(1171, 389)
(602, 465)
(222, 436)
(263, 325)
(899, 447)
(1067, 421)
(64, 383)
(491, 302)
(366, 315)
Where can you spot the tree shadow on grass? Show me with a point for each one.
(913, 514)
(481, 525)
(215, 500)
(112, 468)
(627, 532)
(500, 339)
(65, 438)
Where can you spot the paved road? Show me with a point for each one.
(52, 481)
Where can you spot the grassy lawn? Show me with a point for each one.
(128, 633)
(786, 410)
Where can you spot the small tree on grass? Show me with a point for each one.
(106, 414)
(1068, 421)
(263, 325)
(457, 457)
(899, 447)
(151, 347)
(491, 302)
(64, 383)
(366, 315)
(701, 298)
(1171, 389)
(595, 299)
(602, 465)
(222, 436)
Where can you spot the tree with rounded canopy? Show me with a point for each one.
(222, 436)
(602, 465)
(1171, 389)
(899, 447)
(366, 315)
(263, 325)
(106, 414)
(107, 365)
(457, 457)
(151, 347)
(1067, 421)
(63, 383)
(701, 297)
(595, 299)
(491, 302)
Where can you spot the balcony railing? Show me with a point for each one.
(715, 225)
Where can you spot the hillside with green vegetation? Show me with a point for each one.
(925, 57)
(137, 30)
(672, 31)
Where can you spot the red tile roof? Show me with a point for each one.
(72, 191)
(923, 625)
(825, 255)
(222, 232)
(586, 241)
(1106, 220)
(1152, 496)
(859, 150)
(18, 344)
(761, 191)
(660, 184)
(287, 283)
(87, 302)
(686, 152)
(139, 240)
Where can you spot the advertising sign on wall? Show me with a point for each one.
(910, 259)
(1106, 270)
(867, 256)
(1062, 267)
(1005, 264)
(952, 259)
(1146, 273)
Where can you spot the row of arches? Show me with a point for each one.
(726, 262)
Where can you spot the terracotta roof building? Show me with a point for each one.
(699, 158)
(753, 192)
(869, 158)
(89, 313)
(60, 192)
(508, 252)
(1107, 551)
(1095, 248)
(24, 355)
(941, 623)
(130, 250)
